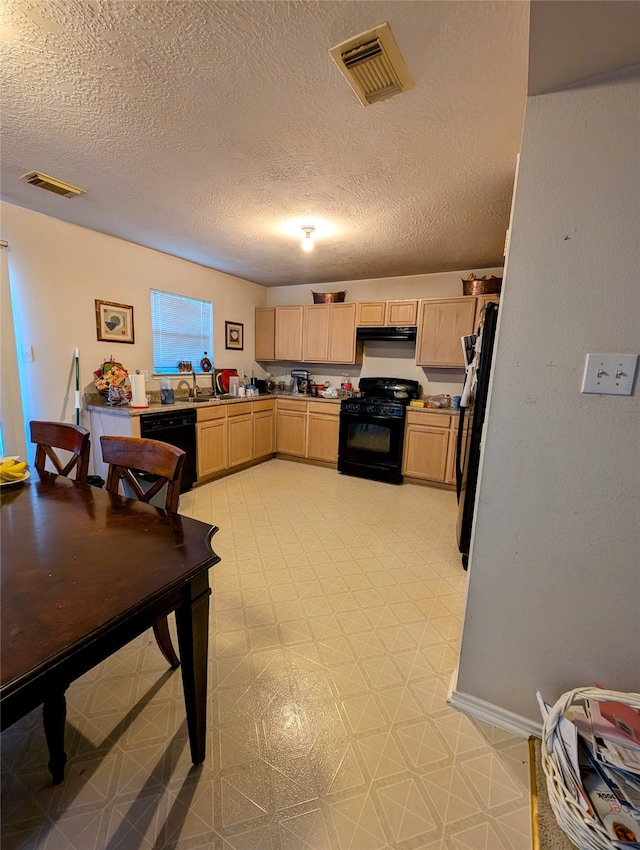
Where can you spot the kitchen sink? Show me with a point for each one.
(203, 399)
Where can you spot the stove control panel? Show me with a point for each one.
(373, 408)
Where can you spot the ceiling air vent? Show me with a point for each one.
(43, 181)
(373, 65)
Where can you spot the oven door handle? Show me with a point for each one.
(365, 417)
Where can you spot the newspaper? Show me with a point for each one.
(596, 750)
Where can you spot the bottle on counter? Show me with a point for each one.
(166, 392)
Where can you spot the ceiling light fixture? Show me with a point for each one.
(307, 242)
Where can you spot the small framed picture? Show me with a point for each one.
(114, 322)
(234, 335)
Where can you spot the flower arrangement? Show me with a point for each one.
(112, 380)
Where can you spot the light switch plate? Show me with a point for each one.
(609, 374)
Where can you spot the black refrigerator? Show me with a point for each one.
(470, 433)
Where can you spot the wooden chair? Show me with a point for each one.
(125, 455)
(49, 436)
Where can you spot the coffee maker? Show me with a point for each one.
(300, 381)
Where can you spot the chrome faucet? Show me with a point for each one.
(196, 388)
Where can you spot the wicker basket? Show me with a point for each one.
(585, 832)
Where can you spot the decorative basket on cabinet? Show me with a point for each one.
(473, 285)
(328, 297)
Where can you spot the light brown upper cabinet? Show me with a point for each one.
(481, 301)
(371, 313)
(380, 313)
(265, 333)
(288, 333)
(342, 333)
(329, 333)
(401, 313)
(315, 333)
(441, 324)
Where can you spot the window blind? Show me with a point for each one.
(182, 329)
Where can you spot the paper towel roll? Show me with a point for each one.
(138, 394)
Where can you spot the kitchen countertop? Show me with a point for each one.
(95, 401)
(448, 410)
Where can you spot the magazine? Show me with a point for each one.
(625, 718)
(621, 823)
(611, 732)
(625, 786)
(566, 752)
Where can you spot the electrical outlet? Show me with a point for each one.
(27, 353)
(609, 374)
(145, 374)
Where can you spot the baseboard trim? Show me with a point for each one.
(494, 715)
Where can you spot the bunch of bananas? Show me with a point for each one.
(10, 470)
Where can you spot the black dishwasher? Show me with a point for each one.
(179, 429)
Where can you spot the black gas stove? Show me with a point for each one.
(372, 428)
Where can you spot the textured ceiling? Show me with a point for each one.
(214, 130)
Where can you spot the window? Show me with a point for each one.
(182, 329)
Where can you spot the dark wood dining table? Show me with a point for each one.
(83, 573)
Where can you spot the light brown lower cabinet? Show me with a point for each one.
(212, 443)
(426, 447)
(308, 429)
(450, 472)
(240, 439)
(234, 434)
(263, 428)
(322, 431)
(291, 427)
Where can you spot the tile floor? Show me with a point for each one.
(334, 631)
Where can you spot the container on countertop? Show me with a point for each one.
(436, 402)
(167, 395)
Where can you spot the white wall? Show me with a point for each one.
(554, 582)
(57, 270)
(387, 359)
(13, 436)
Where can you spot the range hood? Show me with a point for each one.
(404, 333)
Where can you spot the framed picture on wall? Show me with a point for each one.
(114, 322)
(234, 335)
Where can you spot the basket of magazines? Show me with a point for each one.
(591, 760)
